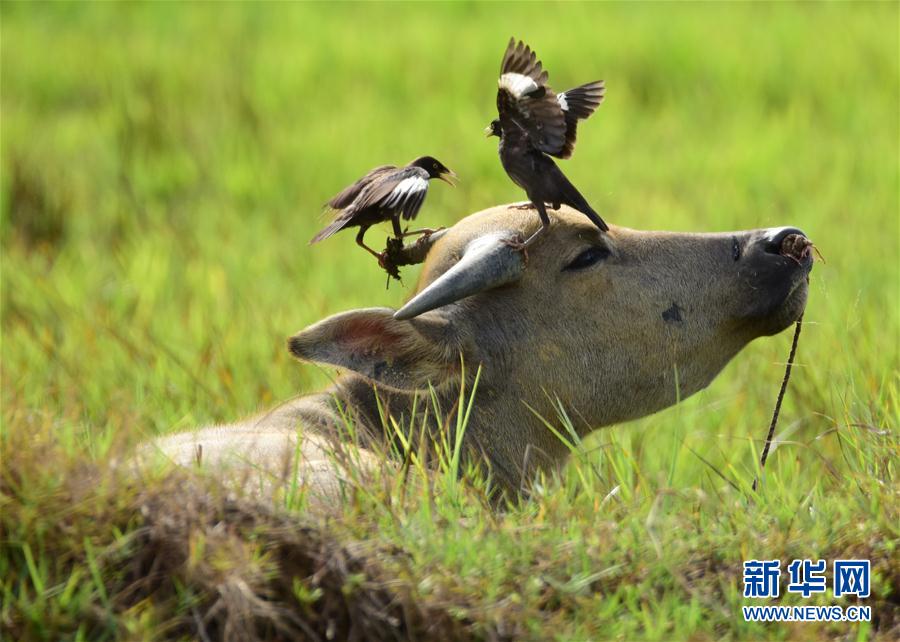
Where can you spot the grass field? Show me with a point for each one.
(162, 170)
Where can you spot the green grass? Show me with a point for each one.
(162, 170)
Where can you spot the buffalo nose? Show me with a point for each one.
(773, 238)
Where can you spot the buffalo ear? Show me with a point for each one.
(405, 355)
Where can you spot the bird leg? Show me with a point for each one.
(522, 246)
(425, 231)
(384, 261)
(359, 242)
(532, 206)
(531, 239)
(545, 225)
(395, 222)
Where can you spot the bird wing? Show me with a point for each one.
(347, 195)
(526, 102)
(402, 191)
(344, 205)
(578, 104)
(343, 219)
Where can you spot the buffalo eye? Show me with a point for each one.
(588, 257)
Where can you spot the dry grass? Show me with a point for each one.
(161, 169)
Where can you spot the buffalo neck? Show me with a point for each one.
(511, 442)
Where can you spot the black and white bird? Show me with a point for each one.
(385, 193)
(534, 123)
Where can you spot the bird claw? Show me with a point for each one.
(518, 244)
(523, 206)
(424, 233)
(423, 240)
(427, 232)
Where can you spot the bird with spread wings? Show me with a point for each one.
(533, 124)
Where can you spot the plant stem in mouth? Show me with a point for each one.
(784, 384)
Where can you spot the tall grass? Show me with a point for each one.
(162, 170)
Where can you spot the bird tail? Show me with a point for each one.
(335, 226)
(574, 199)
(582, 101)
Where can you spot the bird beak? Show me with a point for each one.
(448, 177)
(488, 132)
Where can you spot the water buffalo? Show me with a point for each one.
(605, 323)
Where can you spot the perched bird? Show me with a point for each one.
(534, 123)
(385, 193)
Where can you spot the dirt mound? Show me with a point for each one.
(252, 574)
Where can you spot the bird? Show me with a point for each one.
(386, 193)
(533, 124)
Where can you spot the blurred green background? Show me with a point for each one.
(163, 167)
